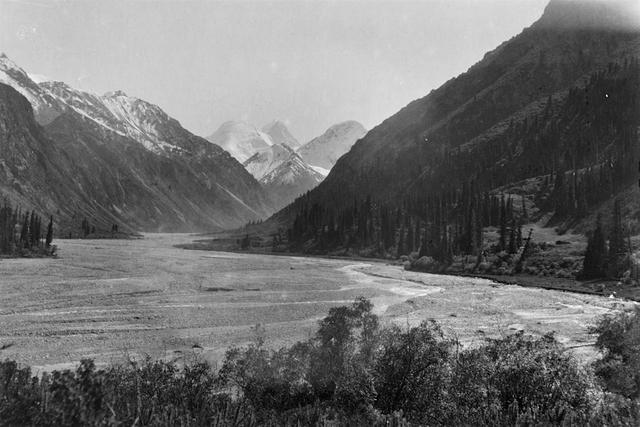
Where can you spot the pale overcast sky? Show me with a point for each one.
(308, 63)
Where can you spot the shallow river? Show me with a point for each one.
(112, 299)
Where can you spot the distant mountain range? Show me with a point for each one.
(120, 159)
(117, 159)
(284, 167)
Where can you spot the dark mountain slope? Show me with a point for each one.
(34, 171)
(411, 152)
(155, 192)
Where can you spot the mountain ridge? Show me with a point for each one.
(174, 180)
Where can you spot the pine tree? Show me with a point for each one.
(512, 241)
(617, 244)
(245, 243)
(49, 238)
(24, 232)
(595, 259)
(32, 230)
(410, 239)
(503, 225)
(401, 248)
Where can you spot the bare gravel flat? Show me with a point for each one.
(110, 299)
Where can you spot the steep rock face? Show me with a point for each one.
(240, 139)
(457, 134)
(279, 134)
(290, 179)
(325, 150)
(140, 165)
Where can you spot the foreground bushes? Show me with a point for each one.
(352, 372)
(619, 339)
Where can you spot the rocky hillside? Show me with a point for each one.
(133, 161)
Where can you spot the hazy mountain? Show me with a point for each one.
(279, 134)
(135, 162)
(240, 139)
(556, 98)
(325, 150)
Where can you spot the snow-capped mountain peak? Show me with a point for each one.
(289, 171)
(114, 111)
(45, 108)
(117, 112)
(267, 159)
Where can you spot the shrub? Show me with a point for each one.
(427, 264)
(619, 339)
(352, 372)
(412, 370)
(520, 375)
